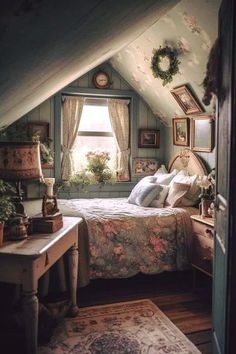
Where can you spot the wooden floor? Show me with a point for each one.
(171, 292)
(189, 310)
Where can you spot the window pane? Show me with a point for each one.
(95, 118)
(88, 143)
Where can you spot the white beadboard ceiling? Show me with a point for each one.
(45, 45)
(190, 27)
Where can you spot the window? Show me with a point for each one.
(95, 133)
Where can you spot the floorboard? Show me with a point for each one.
(171, 292)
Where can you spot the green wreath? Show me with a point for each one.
(165, 75)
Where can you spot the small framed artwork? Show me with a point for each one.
(186, 100)
(39, 129)
(180, 131)
(144, 167)
(149, 138)
(202, 133)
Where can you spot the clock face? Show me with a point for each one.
(101, 79)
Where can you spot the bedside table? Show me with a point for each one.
(202, 244)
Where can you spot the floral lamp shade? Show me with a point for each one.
(20, 161)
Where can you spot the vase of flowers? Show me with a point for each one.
(97, 165)
(204, 183)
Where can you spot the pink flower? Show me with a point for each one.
(109, 228)
(156, 229)
(93, 251)
(193, 20)
(157, 244)
(124, 270)
(118, 249)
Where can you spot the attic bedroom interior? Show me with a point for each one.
(117, 144)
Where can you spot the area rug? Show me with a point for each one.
(135, 327)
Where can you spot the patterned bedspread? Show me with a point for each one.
(124, 239)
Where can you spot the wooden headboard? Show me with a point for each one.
(187, 160)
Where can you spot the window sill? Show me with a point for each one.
(119, 189)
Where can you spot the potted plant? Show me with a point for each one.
(7, 208)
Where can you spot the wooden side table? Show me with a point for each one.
(202, 244)
(24, 262)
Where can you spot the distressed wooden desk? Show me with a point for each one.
(24, 262)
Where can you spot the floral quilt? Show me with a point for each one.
(125, 239)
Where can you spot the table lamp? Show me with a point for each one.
(20, 161)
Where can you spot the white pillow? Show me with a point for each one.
(176, 193)
(158, 202)
(143, 193)
(182, 173)
(151, 179)
(161, 169)
(192, 196)
(165, 178)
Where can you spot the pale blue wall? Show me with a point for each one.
(142, 115)
(170, 150)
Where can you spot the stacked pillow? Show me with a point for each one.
(165, 178)
(152, 190)
(176, 194)
(160, 170)
(166, 189)
(192, 196)
(159, 200)
(145, 192)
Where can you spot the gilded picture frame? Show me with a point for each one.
(181, 131)
(202, 133)
(144, 166)
(149, 138)
(186, 100)
(41, 129)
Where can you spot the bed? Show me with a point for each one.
(118, 239)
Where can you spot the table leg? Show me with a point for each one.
(30, 310)
(73, 270)
(194, 280)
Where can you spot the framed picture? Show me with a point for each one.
(202, 133)
(149, 138)
(186, 100)
(40, 129)
(144, 167)
(180, 131)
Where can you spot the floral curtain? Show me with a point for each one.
(72, 111)
(119, 117)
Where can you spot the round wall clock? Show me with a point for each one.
(101, 79)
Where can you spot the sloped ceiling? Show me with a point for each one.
(191, 28)
(46, 44)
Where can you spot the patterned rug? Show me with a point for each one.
(135, 327)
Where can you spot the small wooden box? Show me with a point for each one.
(48, 224)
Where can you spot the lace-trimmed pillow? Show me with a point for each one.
(165, 178)
(192, 197)
(161, 170)
(176, 193)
